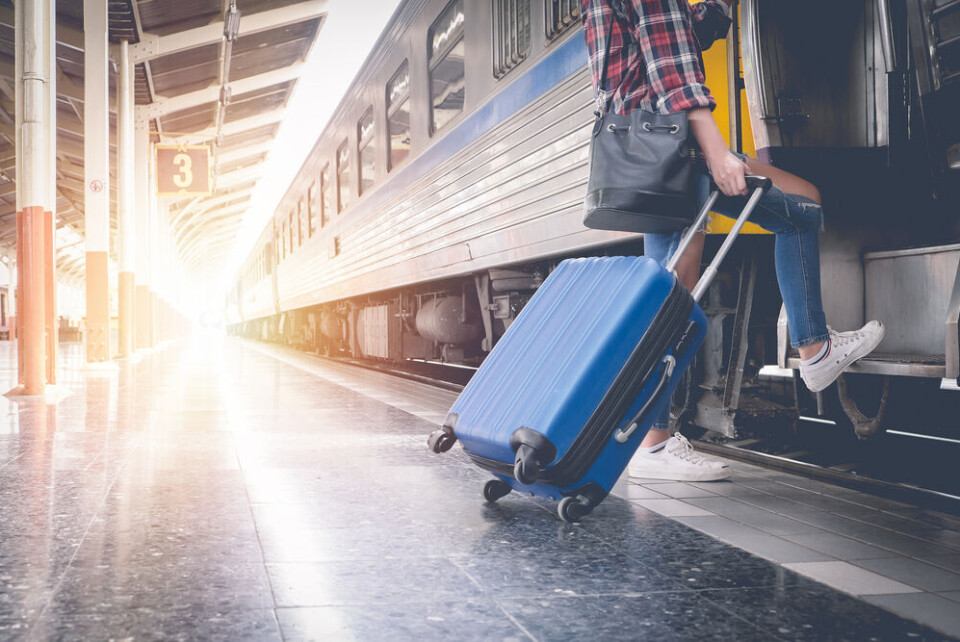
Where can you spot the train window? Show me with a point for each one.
(366, 152)
(446, 66)
(343, 177)
(293, 231)
(561, 15)
(326, 206)
(511, 34)
(304, 215)
(398, 116)
(312, 209)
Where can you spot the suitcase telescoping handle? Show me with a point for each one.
(759, 185)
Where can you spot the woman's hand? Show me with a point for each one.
(728, 172)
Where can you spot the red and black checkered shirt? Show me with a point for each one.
(655, 60)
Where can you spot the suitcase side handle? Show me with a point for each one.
(623, 434)
(759, 185)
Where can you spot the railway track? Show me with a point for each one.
(901, 465)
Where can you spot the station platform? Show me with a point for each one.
(221, 489)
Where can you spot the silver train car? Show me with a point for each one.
(450, 182)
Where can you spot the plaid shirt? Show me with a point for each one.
(655, 60)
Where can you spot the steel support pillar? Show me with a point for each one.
(153, 265)
(96, 171)
(142, 277)
(125, 195)
(36, 165)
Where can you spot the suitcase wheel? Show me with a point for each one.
(526, 469)
(571, 509)
(440, 441)
(495, 489)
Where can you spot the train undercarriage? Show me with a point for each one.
(738, 388)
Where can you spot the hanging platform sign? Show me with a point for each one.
(183, 170)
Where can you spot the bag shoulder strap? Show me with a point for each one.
(606, 56)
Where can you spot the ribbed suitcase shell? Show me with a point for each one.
(552, 368)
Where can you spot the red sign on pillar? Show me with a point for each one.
(183, 170)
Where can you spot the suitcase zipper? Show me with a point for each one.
(612, 410)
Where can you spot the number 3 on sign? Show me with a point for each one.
(185, 176)
(183, 170)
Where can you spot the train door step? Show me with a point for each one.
(894, 364)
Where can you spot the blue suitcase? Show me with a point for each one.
(561, 403)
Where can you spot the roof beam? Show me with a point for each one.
(211, 94)
(225, 181)
(245, 124)
(152, 46)
(200, 252)
(66, 35)
(204, 206)
(196, 237)
(76, 128)
(243, 152)
(188, 234)
(8, 67)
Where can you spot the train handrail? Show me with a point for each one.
(750, 17)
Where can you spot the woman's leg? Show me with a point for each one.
(661, 247)
(787, 183)
(660, 456)
(795, 216)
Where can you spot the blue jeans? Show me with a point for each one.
(796, 222)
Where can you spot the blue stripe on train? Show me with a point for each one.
(568, 58)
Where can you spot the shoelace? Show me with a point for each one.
(686, 450)
(843, 338)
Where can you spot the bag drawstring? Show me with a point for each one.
(647, 127)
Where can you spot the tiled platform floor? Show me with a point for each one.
(214, 491)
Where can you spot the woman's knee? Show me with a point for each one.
(808, 190)
(787, 182)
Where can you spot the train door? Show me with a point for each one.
(935, 38)
(837, 95)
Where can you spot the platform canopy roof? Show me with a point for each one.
(193, 86)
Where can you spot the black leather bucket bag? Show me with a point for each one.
(641, 173)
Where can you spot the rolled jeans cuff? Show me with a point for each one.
(810, 341)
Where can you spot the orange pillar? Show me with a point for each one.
(154, 311)
(34, 65)
(126, 311)
(98, 306)
(96, 172)
(126, 241)
(32, 304)
(51, 324)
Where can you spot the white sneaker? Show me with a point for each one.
(676, 461)
(845, 348)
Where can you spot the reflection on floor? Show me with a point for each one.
(212, 491)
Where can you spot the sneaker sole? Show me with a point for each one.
(704, 476)
(853, 358)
